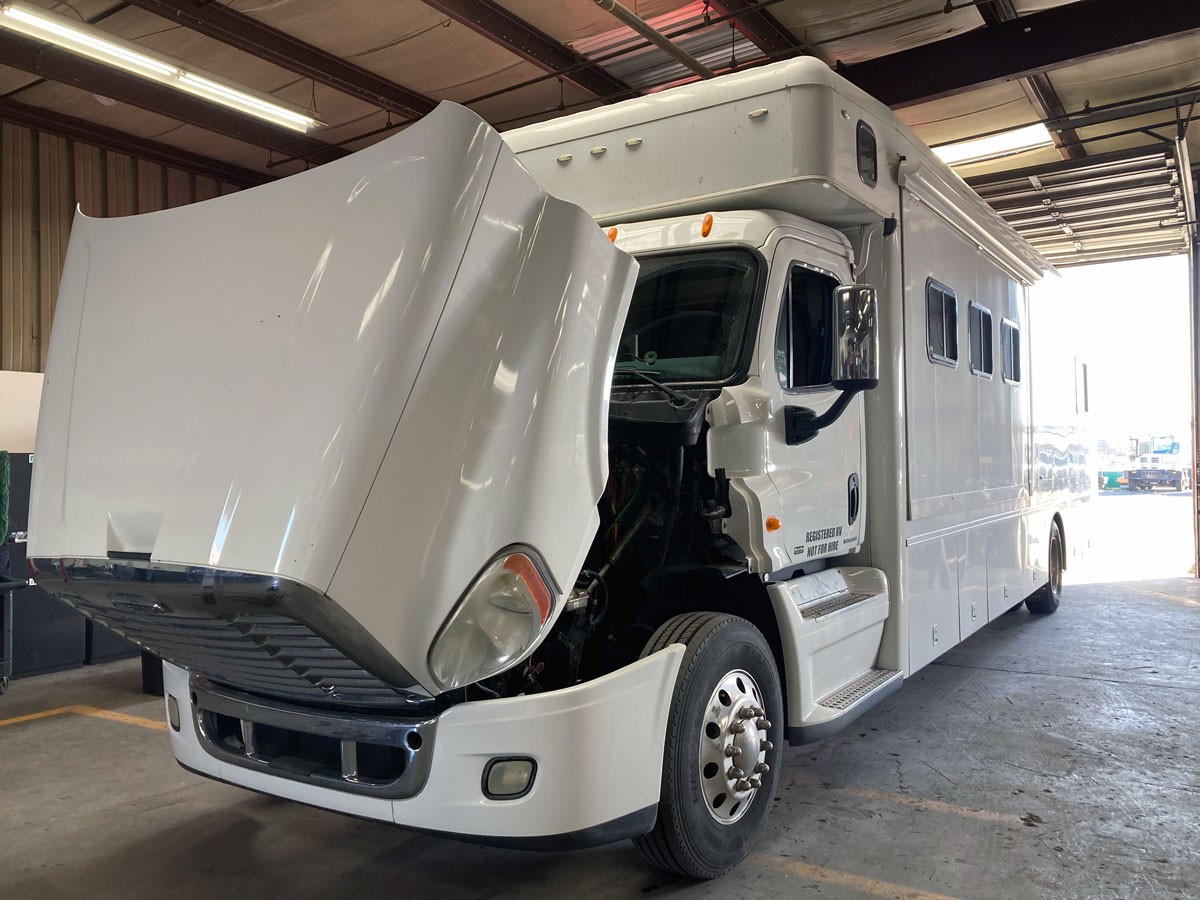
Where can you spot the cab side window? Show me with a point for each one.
(804, 341)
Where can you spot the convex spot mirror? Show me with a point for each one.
(856, 337)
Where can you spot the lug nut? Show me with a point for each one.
(747, 712)
(755, 783)
(733, 750)
(735, 773)
(765, 746)
(737, 727)
(760, 768)
(743, 785)
(763, 724)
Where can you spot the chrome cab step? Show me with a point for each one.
(831, 624)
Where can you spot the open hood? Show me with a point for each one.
(363, 380)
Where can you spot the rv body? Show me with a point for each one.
(439, 517)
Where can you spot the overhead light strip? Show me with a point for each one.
(94, 44)
(996, 146)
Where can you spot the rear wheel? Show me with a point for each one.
(1047, 598)
(723, 751)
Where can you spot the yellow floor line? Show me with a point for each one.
(844, 879)
(92, 711)
(123, 718)
(986, 815)
(37, 715)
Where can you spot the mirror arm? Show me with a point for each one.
(802, 424)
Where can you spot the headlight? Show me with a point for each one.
(498, 619)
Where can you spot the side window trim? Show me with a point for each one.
(985, 365)
(944, 298)
(1010, 347)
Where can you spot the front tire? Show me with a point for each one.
(1048, 596)
(723, 746)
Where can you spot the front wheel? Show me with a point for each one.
(1047, 598)
(723, 748)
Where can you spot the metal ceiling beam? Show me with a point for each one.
(760, 27)
(1038, 42)
(1153, 158)
(632, 20)
(58, 65)
(227, 25)
(500, 26)
(49, 122)
(1038, 89)
(1115, 112)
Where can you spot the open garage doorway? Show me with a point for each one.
(1130, 327)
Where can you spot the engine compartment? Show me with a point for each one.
(660, 549)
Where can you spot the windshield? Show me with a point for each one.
(688, 317)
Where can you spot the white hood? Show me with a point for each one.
(367, 379)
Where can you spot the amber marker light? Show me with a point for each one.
(522, 566)
(612, 235)
(773, 523)
(706, 227)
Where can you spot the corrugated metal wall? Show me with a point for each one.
(42, 178)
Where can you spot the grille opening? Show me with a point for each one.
(299, 752)
(306, 754)
(380, 763)
(227, 732)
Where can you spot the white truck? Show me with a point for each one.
(1160, 463)
(448, 508)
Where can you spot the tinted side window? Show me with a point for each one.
(868, 154)
(804, 341)
(941, 323)
(980, 327)
(1010, 346)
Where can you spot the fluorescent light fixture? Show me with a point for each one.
(85, 40)
(1032, 137)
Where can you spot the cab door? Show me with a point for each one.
(820, 482)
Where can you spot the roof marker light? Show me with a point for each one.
(706, 225)
(612, 235)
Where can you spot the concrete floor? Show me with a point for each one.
(1045, 757)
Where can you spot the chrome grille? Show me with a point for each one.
(261, 653)
(257, 633)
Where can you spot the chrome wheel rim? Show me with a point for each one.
(733, 746)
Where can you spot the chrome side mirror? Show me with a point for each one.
(855, 360)
(856, 332)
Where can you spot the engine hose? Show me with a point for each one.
(671, 512)
(625, 541)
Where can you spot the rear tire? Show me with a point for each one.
(1048, 596)
(726, 716)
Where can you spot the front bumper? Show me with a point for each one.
(598, 750)
(1155, 477)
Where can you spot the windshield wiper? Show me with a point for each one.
(678, 400)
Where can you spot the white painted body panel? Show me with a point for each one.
(367, 378)
(598, 748)
(698, 148)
